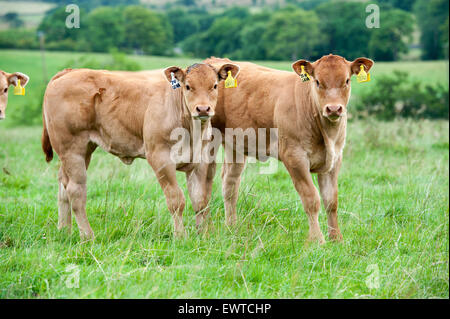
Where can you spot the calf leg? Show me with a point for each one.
(298, 167)
(74, 166)
(199, 182)
(166, 174)
(329, 190)
(64, 209)
(231, 179)
(64, 213)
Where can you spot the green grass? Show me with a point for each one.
(394, 213)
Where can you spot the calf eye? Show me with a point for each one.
(215, 86)
(318, 83)
(188, 87)
(347, 82)
(5, 90)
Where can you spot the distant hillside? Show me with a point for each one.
(30, 12)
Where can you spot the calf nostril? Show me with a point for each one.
(340, 109)
(328, 109)
(203, 109)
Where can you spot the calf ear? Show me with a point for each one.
(356, 65)
(14, 77)
(297, 66)
(223, 71)
(177, 72)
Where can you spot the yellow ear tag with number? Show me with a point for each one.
(230, 82)
(362, 75)
(304, 75)
(18, 89)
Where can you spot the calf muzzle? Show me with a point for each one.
(203, 112)
(333, 112)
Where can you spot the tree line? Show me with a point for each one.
(300, 29)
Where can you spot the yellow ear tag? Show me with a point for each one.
(304, 75)
(18, 89)
(230, 82)
(362, 75)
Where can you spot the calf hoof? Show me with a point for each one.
(205, 227)
(231, 222)
(67, 229)
(335, 236)
(203, 223)
(180, 233)
(87, 236)
(316, 238)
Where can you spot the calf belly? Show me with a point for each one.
(125, 146)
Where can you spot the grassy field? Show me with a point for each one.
(394, 214)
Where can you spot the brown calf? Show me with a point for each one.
(7, 79)
(311, 118)
(130, 115)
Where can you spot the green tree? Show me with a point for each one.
(222, 38)
(19, 38)
(205, 18)
(183, 23)
(307, 4)
(343, 26)
(254, 47)
(387, 42)
(291, 33)
(188, 3)
(406, 5)
(91, 4)
(12, 18)
(236, 12)
(194, 45)
(445, 38)
(104, 29)
(431, 17)
(57, 35)
(146, 30)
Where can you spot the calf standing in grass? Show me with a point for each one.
(311, 118)
(7, 79)
(130, 115)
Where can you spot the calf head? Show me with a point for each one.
(199, 83)
(7, 79)
(331, 85)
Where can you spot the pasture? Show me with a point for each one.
(394, 216)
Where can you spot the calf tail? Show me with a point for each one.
(46, 145)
